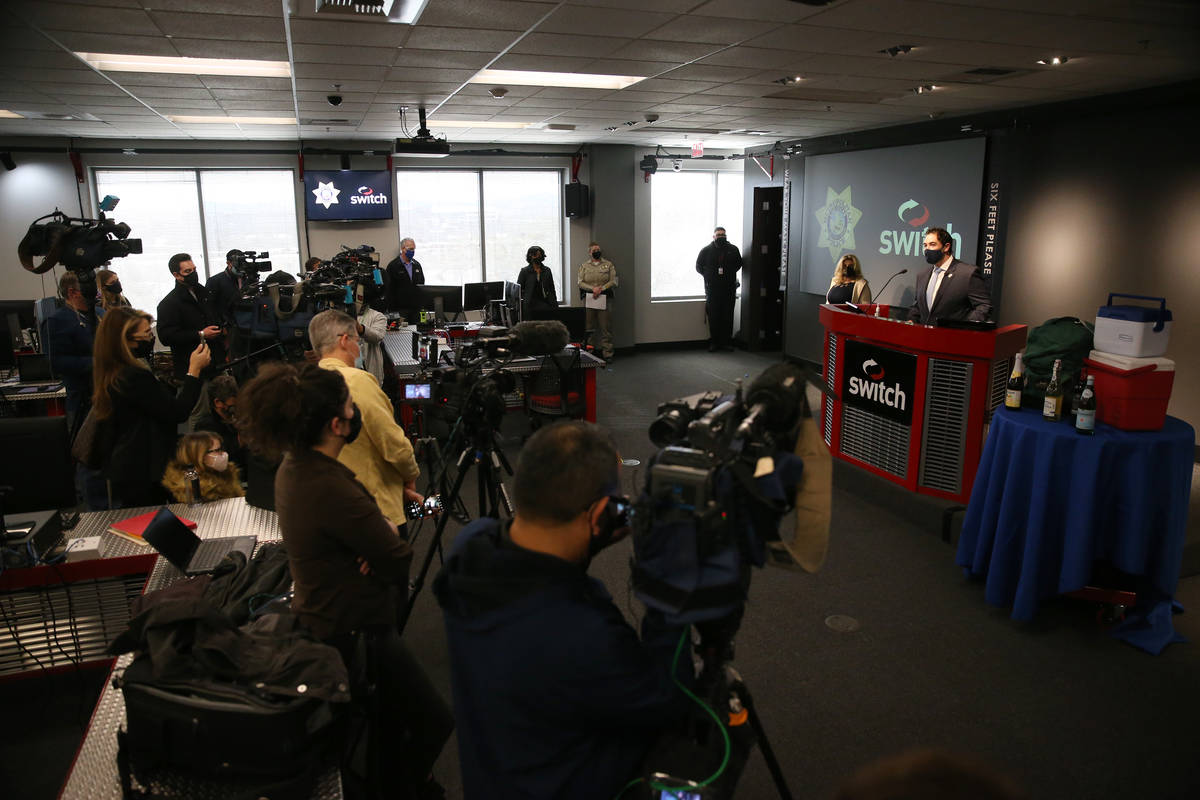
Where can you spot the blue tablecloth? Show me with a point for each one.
(1047, 503)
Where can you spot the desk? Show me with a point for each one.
(1048, 502)
(94, 771)
(50, 394)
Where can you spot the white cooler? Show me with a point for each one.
(1137, 331)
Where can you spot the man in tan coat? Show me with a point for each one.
(381, 456)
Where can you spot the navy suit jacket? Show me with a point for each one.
(963, 295)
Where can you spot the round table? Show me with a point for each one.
(1048, 502)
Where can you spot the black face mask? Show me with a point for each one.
(933, 256)
(192, 279)
(143, 349)
(720, 240)
(113, 288)
(596, 255)
(615, 517)
(355, 426)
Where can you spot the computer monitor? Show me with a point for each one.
(16, 315)
(440, 299)
(575, 318)
(39, 468)
(477, 295)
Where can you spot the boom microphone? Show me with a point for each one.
(533, 338)
(775, 399)
(889, 280)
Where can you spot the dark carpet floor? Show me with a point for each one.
(1058, 705)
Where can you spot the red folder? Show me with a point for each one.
(133, 528)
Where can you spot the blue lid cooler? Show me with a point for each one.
(1133, 330)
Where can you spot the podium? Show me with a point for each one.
(910, 402)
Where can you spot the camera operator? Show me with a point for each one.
(554, 694)
(346, 559)
(70, 333)
(403, 276)
(382, 458)
(186, 319)
(225, 288)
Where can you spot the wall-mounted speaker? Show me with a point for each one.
(576, 200)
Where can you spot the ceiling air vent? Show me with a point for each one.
(329, 122)
(403, 11)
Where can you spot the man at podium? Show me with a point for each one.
(949, 289)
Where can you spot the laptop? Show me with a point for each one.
(34, 367)
(189, 553)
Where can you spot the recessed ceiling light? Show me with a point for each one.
(115, 62)
(9, 114)
(790, 79)
(928, 87)
(190, 120)
(574, 80)
(1053, 61)
(468, 123)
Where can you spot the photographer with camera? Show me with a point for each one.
(382, 458)
(554, 693)
(346, 558)
(225, 288)
(186, 319)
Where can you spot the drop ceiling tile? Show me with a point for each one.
(674, 6)
(638, 94)
(57, 89)
(572, 94)
(326, 86)
(518, 61)
(428, 37)
(814, 39)
(428, 75)
(616, 105)
(222, 48)
(89, 17)
(513, 94)
(612, 66)
(710, 73)
(217, 26)
(660, 50)
(491, 15)
(339, 71)
(767, 10)
(708, 30)
(603, 22)
(257, 8)
(758, 58)
(336, 54)
(250, 105)
(91, 42)
(251, 94)
(133, 80)
(442, 59)
(152, 93)
(331, 30)
(322, 97)
(565, 44)
(667, 84)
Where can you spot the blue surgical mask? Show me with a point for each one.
(409, 253)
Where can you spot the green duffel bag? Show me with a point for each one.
(1065, 338)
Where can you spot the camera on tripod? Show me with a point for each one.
(247, 264)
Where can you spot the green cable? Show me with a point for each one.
(720, 726)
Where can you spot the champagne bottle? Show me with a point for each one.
(1085, 417)
(1079, 384)
(1016, 385)
(1053, 405)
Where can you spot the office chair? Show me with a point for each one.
(556, 390)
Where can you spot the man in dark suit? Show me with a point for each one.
(719, 263)
(185, 318)
(225, 288)
(949, 289)
(403, 276)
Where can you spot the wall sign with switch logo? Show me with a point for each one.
(879, 380)
(348, 194)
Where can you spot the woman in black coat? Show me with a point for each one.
(140, 414)
(538, 295)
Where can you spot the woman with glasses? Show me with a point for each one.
(201, 470)
(139, 412)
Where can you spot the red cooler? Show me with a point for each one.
(1131, 393)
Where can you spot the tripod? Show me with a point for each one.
(481, 451)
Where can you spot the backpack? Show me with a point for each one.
(1065, 338)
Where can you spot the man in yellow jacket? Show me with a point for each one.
(381, 456)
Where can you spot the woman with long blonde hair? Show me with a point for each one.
(142, 413)
(201, 470)
(848, 284)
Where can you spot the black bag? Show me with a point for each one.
(279, 745)
(1065, 338)
(94, 438)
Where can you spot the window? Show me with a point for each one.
(684, 209)
(204, 213)
(475, 225)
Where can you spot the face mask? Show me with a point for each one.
(193, 279)
(143, 349)
(595, 255)
(355, 426)
(409, 253)
(114, 287)
(218, 462)
(933, 256)
(614, 518)
(720, 240)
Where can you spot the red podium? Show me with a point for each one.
(910, 402)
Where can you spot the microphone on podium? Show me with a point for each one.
(885, 285)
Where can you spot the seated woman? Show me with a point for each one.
(142, 412)
(848, 284)
(348, 561)
(201, 471)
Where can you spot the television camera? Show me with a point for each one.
(246, 264)
(710, 509)
(80, 244)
